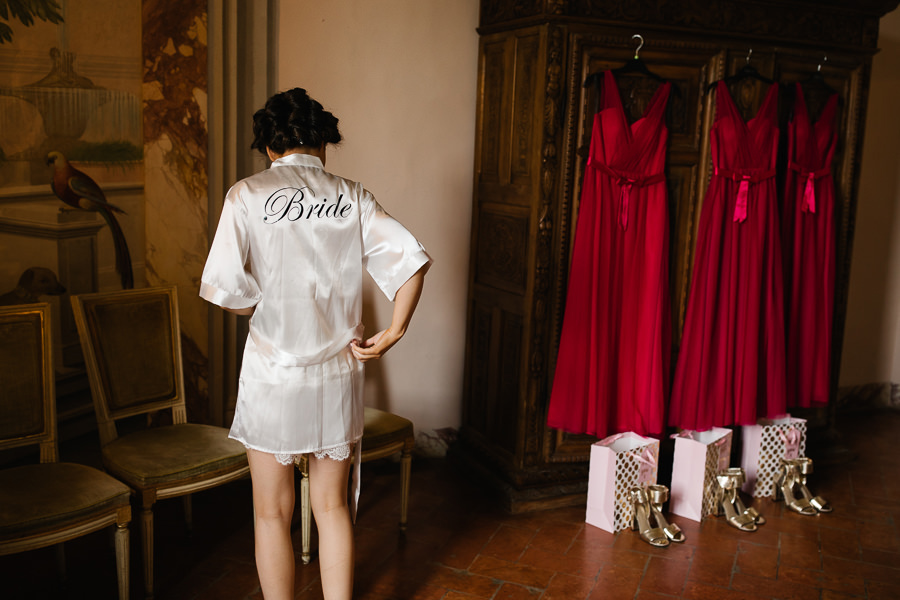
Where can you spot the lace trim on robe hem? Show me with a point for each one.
(339, 452)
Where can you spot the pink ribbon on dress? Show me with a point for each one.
(627, 181)
(809, 194)
(744, 178)
(740, 206)
(808, 203)
(626, 185)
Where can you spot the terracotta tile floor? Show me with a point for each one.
(459, 545)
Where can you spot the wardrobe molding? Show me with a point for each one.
(532, 133)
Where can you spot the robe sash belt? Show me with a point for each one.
(809, 191)
(627, 180)
(288, 359)
(744, 177)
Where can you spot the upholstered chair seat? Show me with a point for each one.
(162, 455)
(384, 430)
(36, 499)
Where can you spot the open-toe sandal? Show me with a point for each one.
(804, 468)
(659, 495)
(788, 476)
(740, 477)
(725, 503)
(652, 535)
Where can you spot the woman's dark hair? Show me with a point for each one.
(292, 119)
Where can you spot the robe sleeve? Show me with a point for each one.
(226, 280)
(391, 254)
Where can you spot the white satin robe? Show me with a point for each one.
(293, 241)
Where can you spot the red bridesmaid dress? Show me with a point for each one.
(613, 365)
(731, 364)
(809, 247)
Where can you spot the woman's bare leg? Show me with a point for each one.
(328, 494)
(273, 504)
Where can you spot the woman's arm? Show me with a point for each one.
(404, 306)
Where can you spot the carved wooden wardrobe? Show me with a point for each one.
(534, 119)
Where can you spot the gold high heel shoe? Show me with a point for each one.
(805, 467)
(659, 495)
(740, 477)
(784, 488)
(725, 502)
(652, 535)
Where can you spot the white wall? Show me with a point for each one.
(871, 353)
(401, 77)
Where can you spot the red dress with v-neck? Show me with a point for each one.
(731, 363)
(808, 234)
(613, 363)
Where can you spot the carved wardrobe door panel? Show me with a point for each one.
(505, 234)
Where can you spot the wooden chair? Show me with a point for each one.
(50, 502)
(131, 341)
(384, 434)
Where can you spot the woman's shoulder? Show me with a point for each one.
(345, 181)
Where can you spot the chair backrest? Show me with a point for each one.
(131, 340)
(27, 385)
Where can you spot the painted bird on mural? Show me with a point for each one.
(78, 190)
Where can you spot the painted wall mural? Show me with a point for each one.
(109, 98)
(52, 101)
(70, 109)
(175, 162)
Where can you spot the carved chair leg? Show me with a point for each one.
(122, 560)
(188, 513)
(405, 472)
(305, 512)
(147, 543)
(61, 561)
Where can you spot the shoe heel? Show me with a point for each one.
(791, 478)
(726, 499)
(659, 495)
(654, 536)
(784, 469)
(817, 502)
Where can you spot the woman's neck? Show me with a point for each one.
(318, 152)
